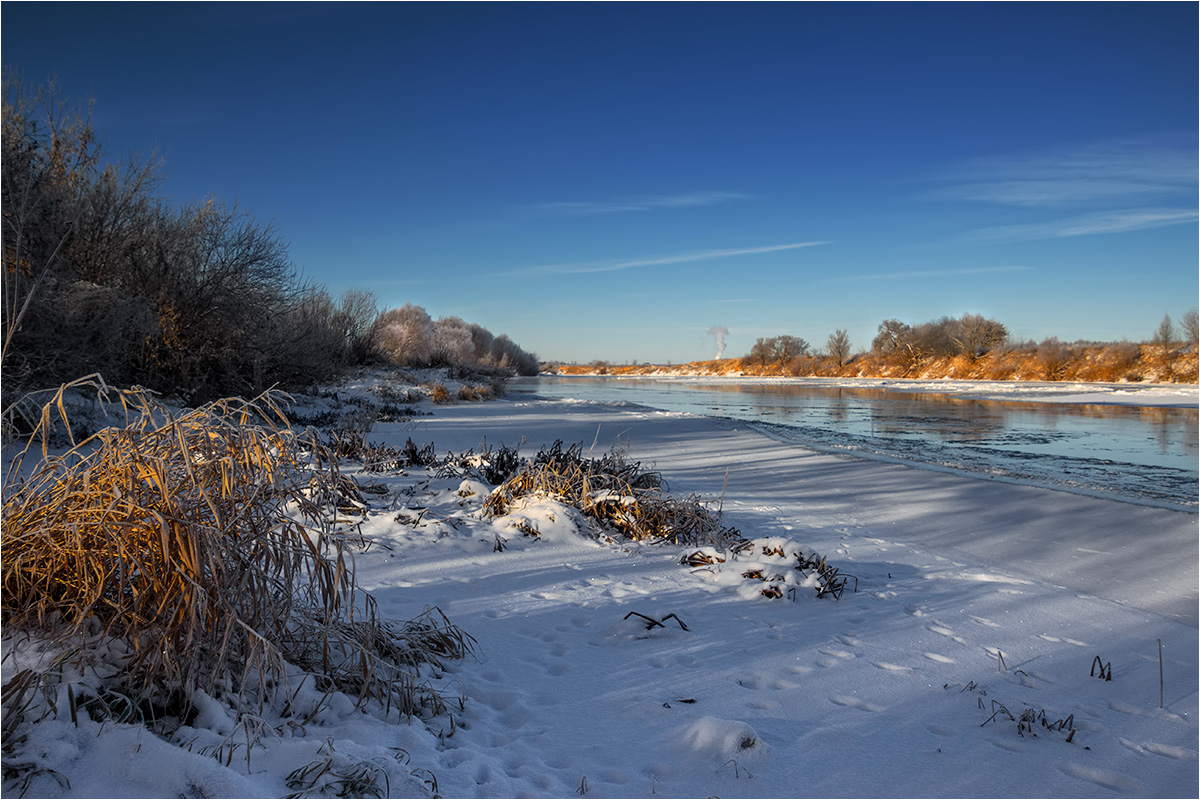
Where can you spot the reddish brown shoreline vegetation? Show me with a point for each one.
(1161, 360)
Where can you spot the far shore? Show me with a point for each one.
(1160, 394)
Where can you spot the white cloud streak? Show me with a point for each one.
(616, 265)
(927, 273)
(1098, 173)
(1100, 222)
(651, 203)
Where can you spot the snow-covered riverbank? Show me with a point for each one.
(1181, 395)
(959, 667)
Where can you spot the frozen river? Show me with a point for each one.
(1139, 453)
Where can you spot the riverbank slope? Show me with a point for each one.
(968, 658)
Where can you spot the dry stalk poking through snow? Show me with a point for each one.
(203, 545)
(616, 493)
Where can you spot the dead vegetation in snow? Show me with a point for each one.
(195, 553)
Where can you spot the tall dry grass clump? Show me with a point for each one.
(616, 493)
(203, 545)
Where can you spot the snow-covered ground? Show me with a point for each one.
(980, 612)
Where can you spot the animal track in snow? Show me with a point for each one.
(984, 621)
(949, 634)
(1049, 638)
(938, 657)
(1142, 712)
(854, 702)
(1166, 750)
(836, 653)
(1102, 777)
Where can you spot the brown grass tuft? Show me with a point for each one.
(614, 492)
(204, 544)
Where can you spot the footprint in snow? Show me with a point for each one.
(1104, 778)
(943, 631)
(890, 667)
(984, 621)
(938, 657)
(836, 653)
(1135, 711)
(854, 702)
(1063, 639)
(1165, 750)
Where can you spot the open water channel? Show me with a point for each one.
(1145, 454)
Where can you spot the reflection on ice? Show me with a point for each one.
(1146, 453)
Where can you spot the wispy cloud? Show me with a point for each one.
(1088, 224)
(580, 268)
(645, 203)
(1098, 173)
(926, 273)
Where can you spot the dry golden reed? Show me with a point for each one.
(203, 542)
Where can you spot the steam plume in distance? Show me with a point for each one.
(720, 332)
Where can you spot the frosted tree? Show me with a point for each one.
(405, 335)
(453, 344)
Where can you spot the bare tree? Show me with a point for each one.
(892, 337)
(788, 347)
(1164, 343)
(762, 352)
(354, 318)
(1191, 327)
(839, 347)
(49, 157)
(976, 334)
(483, 340)
(1165, 336)
(507, 355)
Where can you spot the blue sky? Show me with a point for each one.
(613, 180)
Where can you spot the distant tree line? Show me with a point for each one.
(974, 346)
(101, 274)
